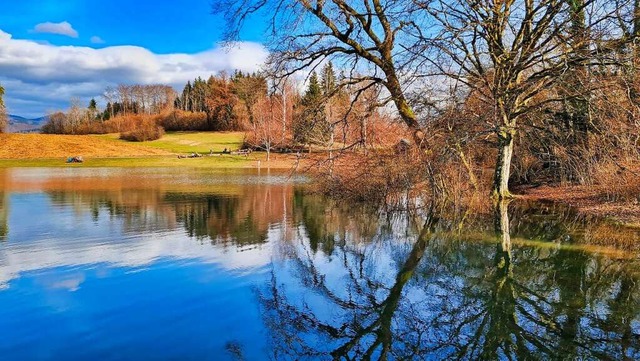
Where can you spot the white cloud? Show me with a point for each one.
(62, 28)
(96, 40)
(40, 77)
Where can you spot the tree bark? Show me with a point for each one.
(503, 164)
(404, 109)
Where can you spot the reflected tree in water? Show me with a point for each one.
(536, 302)
(359, 315)
(237, 219)
(326, 222)
(349, 284)
(445, 297)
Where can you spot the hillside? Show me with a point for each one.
(33, 146)
(18, 124)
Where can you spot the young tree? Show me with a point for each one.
(56, 124)
(284, 95)
(111, 96)
(76, 116)
(265, 128)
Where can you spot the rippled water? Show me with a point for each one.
(109, 264)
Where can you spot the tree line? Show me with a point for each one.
(137, 99)
(276, 114)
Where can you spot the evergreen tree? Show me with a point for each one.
(199, 95)
(310, 124)
(249, 88)
(186, 98)
(329, 82)
(314, 91)
(92, 110)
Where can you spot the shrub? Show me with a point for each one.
(376, 178)
(146, 132)
(179, 120)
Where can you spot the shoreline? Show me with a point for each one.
(212, 162)
(107, 151)
(590, 201)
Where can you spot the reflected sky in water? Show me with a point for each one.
(158, 264)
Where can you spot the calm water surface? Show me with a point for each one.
(109, 264)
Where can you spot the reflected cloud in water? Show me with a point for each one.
(248, 266)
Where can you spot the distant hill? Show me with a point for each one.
(18, 124)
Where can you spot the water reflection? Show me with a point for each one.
(248, 267)
(440, 296)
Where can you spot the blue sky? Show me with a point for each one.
(51, 50)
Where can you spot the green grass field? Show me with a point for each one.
(190, 142)
(121, 153)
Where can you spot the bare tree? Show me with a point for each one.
(110, 96)
(264, 131)
(369, 38)
(508, 52)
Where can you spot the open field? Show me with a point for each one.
(188, 142)
(45, 150)
(39, 146)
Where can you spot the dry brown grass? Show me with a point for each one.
(34, 146)
(590, 200)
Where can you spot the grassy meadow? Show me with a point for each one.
(189, 142)
(47, 150)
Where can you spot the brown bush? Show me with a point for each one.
(179, 120)
(373, 178)
(145, 132)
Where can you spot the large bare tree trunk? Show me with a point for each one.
(503, 164)
(404, 109)
(501, 225)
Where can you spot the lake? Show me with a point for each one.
(174, 264)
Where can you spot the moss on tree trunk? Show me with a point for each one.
(503, 165)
